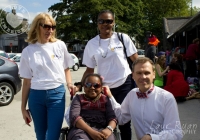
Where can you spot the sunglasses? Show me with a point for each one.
(107, 21)
(45, 26)
(95, 85)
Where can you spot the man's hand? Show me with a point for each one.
(146, 137)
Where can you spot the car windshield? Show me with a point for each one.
(140, 53)
(11, 55)
(3, 54)
(16, 58)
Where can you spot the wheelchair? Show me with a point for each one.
(65, 130)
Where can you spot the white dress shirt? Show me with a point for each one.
(156, 115)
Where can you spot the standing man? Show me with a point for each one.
(192, 54)
(150, 50)
(152, 110)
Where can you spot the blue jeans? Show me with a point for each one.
(119, 93)
(47, 109)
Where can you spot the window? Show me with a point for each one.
(1, 62)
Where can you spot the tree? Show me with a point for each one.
(194, 10)
(2, 16)
(78, 18)
(9, 28)
(155, 10)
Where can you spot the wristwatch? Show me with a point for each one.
(110, 128)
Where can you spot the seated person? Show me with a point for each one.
(195, 95)
(91, 115)
(176, 83)
(178, 58)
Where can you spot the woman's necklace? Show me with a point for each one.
(102, 54)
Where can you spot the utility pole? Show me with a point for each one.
(191, 7)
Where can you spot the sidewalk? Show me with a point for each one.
(189, 113)
(12, 126)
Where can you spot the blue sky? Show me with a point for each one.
(37, 6)
(32, 6)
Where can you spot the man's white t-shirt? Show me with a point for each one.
(44, 64)
(108, 55)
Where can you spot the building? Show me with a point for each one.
(14, 42)
(179, 32)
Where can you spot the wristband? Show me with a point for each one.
(110, 128)
(69, 84)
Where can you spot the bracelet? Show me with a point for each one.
(69, 84)
(110, 128)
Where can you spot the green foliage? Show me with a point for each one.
(7, 26)
(2, 16)
(78, 18)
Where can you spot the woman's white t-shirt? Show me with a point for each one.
(108, 55)
(44, 64)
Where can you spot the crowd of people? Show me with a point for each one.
(116, 96)
(171, 74)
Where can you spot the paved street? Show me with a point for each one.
(12, 126)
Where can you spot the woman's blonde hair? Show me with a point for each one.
(160, 61)
(34, 31)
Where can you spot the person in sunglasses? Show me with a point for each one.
(152, 110)
(91, 115)
(44, 69)
(105, 52)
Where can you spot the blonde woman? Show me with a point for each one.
(44, 68)
(160, 71)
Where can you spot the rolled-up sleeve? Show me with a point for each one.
(121, 111)
(24, 67)
(68, 61)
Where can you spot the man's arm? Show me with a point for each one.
(121, 111)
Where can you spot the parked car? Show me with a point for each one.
(10, 83)
(11, 55)
(141, 53)
(16, 59)
(76, 66)
(4, 54)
